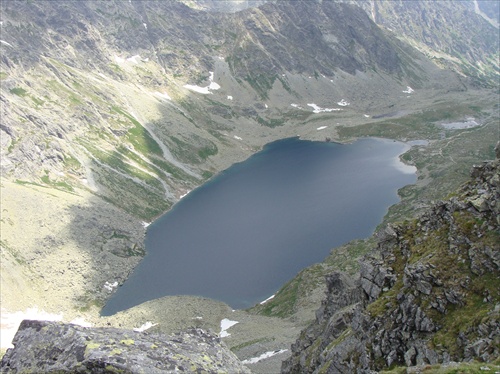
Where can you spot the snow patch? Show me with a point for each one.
(266, 300)
(145, 326)
(317, 109)
(134, 59)
(184, 195)
(145, 26)
(295, 105)
(367, 116)
(343, 103)
(225, 324)
(229, 97)
(163, 95)
(4, 42)
(468, 124)
(118, 59)
(204, 90)
(237, 137)
(10, 323)
(145, 224)
(263, 356)
(213, 85)
(408, 90)
(81, 322)
(110, 286)
(321, 128)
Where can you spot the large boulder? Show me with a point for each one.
(54, 347)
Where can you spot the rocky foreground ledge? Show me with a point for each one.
(54, 347)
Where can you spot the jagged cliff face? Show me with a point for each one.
(471, 48)
(429, 294)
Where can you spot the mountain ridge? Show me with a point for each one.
(112, 111)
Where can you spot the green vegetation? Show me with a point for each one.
(71, 163)
(24, 183)
(64, 92)
(38, 102)
(472, 367)
(18, 91)
(138, 136)
(272, 122)
(283, 304)
(434, 249)
(17, 255)
(208, 151)
(287, 299)
(261, 83)
(422, 125)
(443, 166)
(59, 185)
(238, 347)
(88, 301)
(386, 301)
(346, 258)
(194, 151)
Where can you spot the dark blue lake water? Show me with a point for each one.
(245, 233)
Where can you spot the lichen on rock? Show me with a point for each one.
(54, 347)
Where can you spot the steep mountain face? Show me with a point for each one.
(351, 43)
(471, 48)
(100, 98)
(224, 6)
(429, 293)
(111, 111)
(490, 10)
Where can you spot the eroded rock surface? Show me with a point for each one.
(65, 348)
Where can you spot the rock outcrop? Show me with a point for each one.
(53, 347)
(428, 294)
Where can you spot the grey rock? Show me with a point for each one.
(410, 355)
(41, 346)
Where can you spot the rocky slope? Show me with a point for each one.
(428, 294)
(112, 110)
(472, 47)
(52, 347)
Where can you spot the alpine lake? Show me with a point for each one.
(242, 235)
